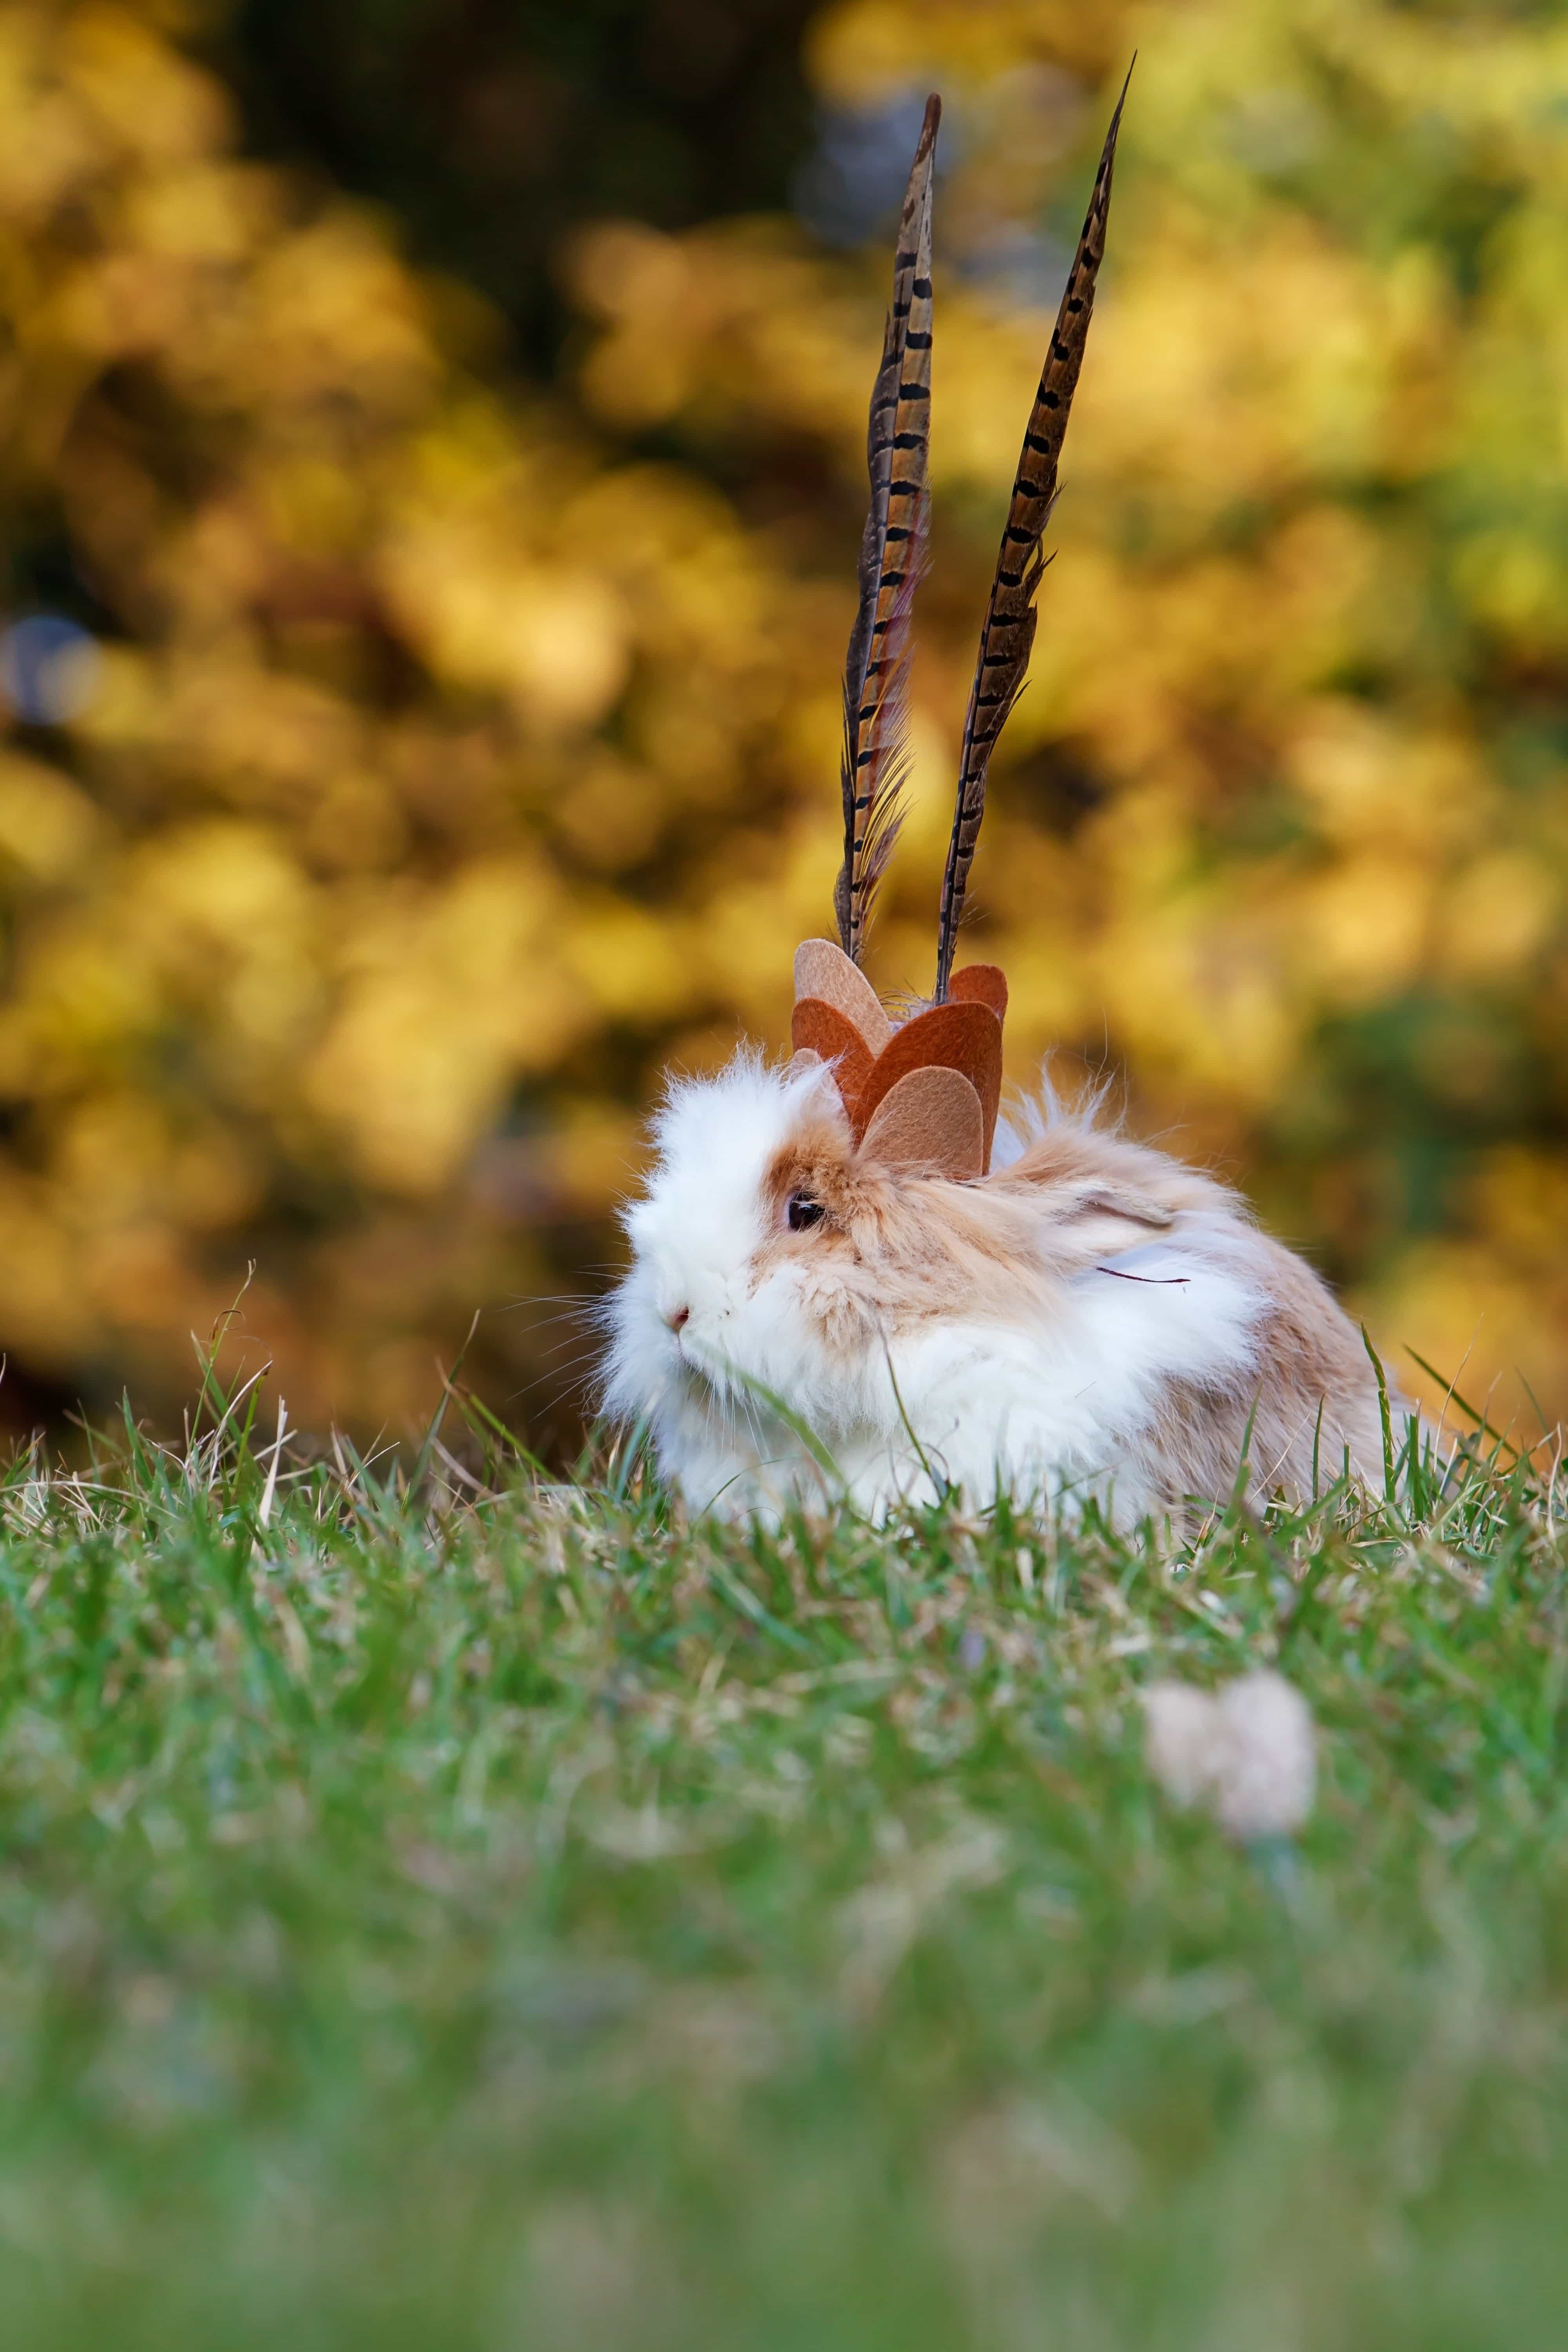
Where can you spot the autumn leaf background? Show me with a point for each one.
(431, 469)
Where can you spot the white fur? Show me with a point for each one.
(1052, 1407)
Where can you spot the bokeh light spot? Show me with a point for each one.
(49, 669)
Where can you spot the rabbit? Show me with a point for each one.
(856, 1257)
(1091, 1320)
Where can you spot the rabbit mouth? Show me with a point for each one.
(716, 1388)
(699, 1361)
(694, 1382)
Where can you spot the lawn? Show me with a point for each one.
(437, 1917)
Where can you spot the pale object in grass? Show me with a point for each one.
(1247, 1752)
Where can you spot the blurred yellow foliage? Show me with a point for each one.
(454, 755)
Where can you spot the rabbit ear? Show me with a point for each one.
(892, 551)
(1111, 1200)
(1122, 1201)
(1009, 630)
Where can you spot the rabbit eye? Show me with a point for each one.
(804, 1211)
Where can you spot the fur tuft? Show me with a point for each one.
(1028, 1119)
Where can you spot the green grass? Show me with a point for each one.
(436, 1920)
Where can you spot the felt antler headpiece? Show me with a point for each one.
(924, 1094)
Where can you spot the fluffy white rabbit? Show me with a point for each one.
(1090, 1319)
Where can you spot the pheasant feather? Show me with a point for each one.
(876, 671)
(1008, 635)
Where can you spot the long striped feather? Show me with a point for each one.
(1008, 635)
(892, 548)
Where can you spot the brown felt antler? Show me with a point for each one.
(876, 671)
(923, 1096)
(1009, 630)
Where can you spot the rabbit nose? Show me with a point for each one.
(678, 1317)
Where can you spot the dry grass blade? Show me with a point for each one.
(1009, 632)
(876, 671)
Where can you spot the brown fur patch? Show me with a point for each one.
(895, 1250)
(1078, 1159)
